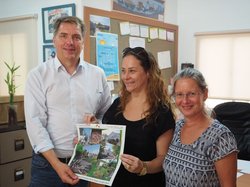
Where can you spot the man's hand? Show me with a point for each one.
(89, 118)
(63, 170)
(66, 174)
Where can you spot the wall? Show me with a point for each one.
(205, 16)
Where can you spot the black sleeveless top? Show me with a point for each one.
(140, 141)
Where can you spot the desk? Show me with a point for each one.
(243, 175)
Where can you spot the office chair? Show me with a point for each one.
(236, 116)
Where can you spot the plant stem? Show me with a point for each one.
(11, 99)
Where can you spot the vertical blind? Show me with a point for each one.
(224, 60)
(18, 44)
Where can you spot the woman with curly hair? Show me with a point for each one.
(144, 107)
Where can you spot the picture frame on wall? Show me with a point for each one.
(49, 52)
(50, 14)
(151, 8)
(99, 24)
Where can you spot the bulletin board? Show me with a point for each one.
(154, 46)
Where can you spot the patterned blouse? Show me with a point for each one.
(193, 165)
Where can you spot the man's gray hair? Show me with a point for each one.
(69, 19)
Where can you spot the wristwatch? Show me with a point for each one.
(144, 169)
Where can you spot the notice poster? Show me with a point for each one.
(107, 54)
(96, 156)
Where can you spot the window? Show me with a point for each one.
(18, 39)
(224, 60)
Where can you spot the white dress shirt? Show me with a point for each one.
(56, 101)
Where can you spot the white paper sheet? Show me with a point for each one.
(154, 33)
(124, 28)
(134, 29)
(144, 32)
(162, 34)
(136, 42)
(164, 59)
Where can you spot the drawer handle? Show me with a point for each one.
(19, 144)
(19, 174)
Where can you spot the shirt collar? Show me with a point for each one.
(58, 64)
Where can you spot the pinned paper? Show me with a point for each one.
(164, 59)
(170, 36)
(136, 42)
(154, 33)
(162, 34)
(144, 32)
(124, 28)
(134, 29)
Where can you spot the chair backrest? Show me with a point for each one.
(236, 116)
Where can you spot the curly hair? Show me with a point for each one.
(156, 92)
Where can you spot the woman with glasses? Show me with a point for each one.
(203, 151)
(144, 107)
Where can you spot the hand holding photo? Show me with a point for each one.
(96, 156)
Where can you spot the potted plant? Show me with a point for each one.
(10, 81)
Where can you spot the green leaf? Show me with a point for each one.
(10, 79)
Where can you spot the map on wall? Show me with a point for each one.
(147, 8)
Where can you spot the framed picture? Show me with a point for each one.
(150, 8)
(99, 24)
(50, 14)
(49, 52)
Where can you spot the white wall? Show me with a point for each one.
(205, 16)
(170, 15)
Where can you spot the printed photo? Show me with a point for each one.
(96, 156)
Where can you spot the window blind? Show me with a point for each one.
(18, 44)
(224, 60)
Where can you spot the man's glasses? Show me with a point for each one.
(189, 95)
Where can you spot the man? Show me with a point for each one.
(58, 94)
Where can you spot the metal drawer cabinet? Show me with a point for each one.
(15, 157)
(15, 174)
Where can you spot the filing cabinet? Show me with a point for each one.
(15, 157)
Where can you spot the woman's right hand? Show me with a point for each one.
(131, 163)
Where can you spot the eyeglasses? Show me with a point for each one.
(189, 95)
(137, 51)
